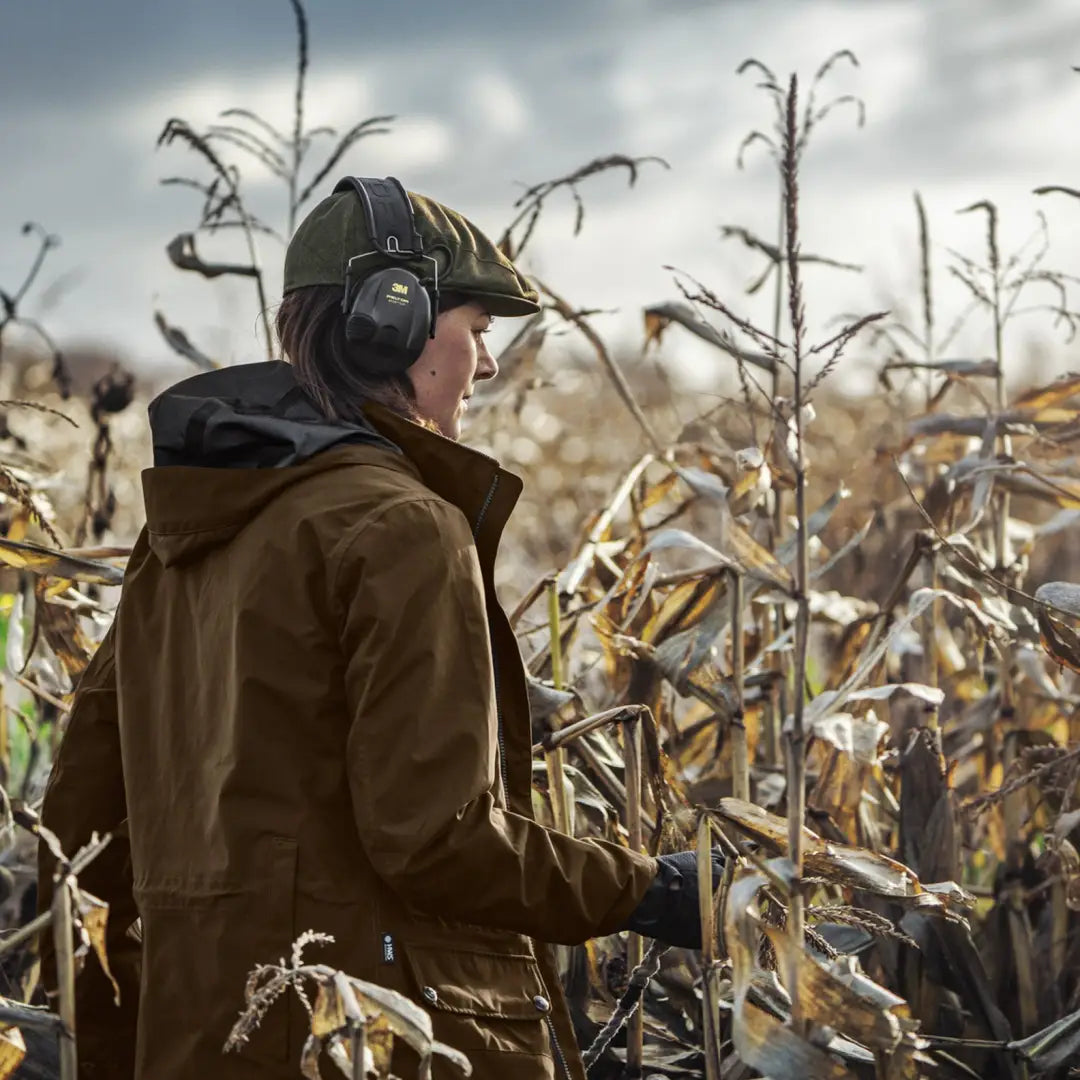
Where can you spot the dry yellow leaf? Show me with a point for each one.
(95, 917)
(329, 1012)
(63, 632)
(380, 1041)
(12, 1051)
(1051, 395)
(53, 562)
(19, 526)
(687, 604)
(655, 325)
(659, 491)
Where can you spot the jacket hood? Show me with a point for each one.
(226, 442)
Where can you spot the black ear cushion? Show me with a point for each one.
(389, 321)
(359, 327)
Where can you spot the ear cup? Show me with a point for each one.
(389, 321)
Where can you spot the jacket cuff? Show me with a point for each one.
(643, 872)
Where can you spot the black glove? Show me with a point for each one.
(669, 909)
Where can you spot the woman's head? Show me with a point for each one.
(476, 282)
(433, 391)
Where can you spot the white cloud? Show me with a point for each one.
(416, 142)
(497, 103)
(336, 98)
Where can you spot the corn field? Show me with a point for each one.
(838, 638)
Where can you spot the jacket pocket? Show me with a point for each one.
(481, 1001)
(271, 934)
(200, 944)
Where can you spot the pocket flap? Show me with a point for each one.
(507, 985)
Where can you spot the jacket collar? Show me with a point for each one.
(476, 484)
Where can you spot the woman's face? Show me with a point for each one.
(451, 363)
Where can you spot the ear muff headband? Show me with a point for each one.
(388, 213)
(390, 313)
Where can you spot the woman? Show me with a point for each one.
(310, 711)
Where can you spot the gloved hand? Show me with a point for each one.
(669, 909)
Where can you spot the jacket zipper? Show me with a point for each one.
(557, 1048)
(502, 743)
(494, 660)
(487, 503)
(555, 1045)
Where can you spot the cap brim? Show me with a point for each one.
(503, 306)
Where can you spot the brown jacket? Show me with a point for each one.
(305, 716)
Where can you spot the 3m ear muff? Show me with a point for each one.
(390, 313)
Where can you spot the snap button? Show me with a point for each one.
(431, 994)
(541, 1003)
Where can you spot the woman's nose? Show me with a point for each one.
(487, 366)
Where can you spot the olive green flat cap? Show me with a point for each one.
(336, 231)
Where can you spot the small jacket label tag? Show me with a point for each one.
(387, 949)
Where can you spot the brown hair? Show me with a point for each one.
(311, 328)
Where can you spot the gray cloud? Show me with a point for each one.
(966, 99)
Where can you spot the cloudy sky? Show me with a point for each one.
(965, 100)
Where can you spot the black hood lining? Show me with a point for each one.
(247, 416)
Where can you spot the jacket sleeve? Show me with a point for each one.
(85, 794)
(423, 744)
